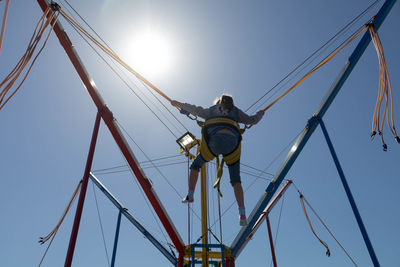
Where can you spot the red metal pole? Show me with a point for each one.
(109, 120)
(229, 262)
(180, 260)
(269, 207)
(271, 242)
(78, 213)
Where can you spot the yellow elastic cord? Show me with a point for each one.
(112, 54)
(11, 78)
(328, 252)
(316, 68)
(384, 93)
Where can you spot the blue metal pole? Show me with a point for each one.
(125, 212)
(193, 258)
(116, 239)
(223, 255)
(350, 197)
(240, 240)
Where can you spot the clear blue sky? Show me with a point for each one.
(239, 47)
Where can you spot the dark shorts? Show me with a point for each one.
(221, 144)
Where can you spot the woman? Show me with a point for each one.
(221, 135)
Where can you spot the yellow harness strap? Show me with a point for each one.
(206, 153)
(220, 167)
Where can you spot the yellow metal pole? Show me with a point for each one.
(204, 218)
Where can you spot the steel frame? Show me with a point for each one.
(242, 237)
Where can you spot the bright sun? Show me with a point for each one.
(149, 53)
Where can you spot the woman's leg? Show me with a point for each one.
(238, 191)
(234, 173)
(193, 176)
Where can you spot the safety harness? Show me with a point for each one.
(207, 154)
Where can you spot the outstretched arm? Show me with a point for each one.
(192, 109)
(246, 119)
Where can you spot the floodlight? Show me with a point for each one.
(187, 141)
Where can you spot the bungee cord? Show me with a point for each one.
(3, 25)
(126, 79)
(328, 252)
(384, 94)
(49, 18)
(112, 54)
(309, 59)
(258, 177)
(130, 87)
(53, 232)
(323, 62)
(303, 201)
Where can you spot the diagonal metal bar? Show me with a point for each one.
(82, 195)
(114, 255)
(239, 242)
(135, 223)
(350, 196)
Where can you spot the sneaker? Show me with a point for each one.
(242, 220)
(187, 200)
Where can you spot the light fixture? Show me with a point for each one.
(187, 141)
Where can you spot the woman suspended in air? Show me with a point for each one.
(222, 136)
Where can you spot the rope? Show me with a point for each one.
(11, 78)
(127, 84)
(149, 207)
(140, 162)
(53, 233)
(112, 54)
(259, 176)
(384, 93)
(188, 204)
(321, 49)
(323, 62)
(3, 26)
(328, 253)
(162, 175)
(101, 225)
(107, 49)
(304, 200)
(219, 217)
(278, 226)
(144, 85)
(126, 77)
(159, 171)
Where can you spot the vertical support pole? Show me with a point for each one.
(230, 262)
(350, 197)
(193, 256)
(204, 215)
(180, 260)
(78, 213)
(116, 239)
(271, 242)
(223, 256)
